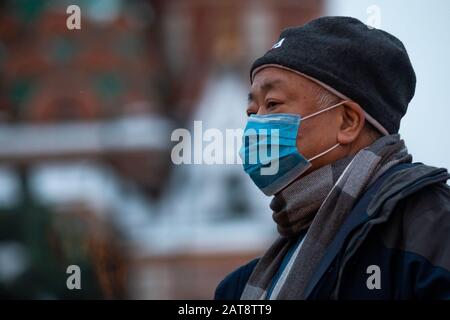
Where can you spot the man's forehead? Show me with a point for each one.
(268, 83)
(275, 78)
(269, 80)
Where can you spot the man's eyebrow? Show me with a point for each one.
(266, 86)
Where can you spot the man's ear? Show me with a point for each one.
(352, 122)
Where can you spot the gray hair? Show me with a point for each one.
(325, 98)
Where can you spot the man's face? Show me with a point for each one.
(275, 90)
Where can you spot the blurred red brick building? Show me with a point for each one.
(131, 60)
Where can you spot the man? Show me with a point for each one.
(357, 219)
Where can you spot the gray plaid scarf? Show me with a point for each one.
(321, 201)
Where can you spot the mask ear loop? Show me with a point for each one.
(324, 152)
(326, 109)
(319, 112)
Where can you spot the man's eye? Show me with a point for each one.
(272, 104)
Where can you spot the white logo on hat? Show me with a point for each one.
(278, 44)
(374, 18)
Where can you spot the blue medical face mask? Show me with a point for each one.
(269, 150)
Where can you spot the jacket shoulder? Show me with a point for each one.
(424, 221)
(232, 286)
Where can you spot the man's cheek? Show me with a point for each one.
(304, 147)
(305, 141)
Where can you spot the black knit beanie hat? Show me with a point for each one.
(366, 65)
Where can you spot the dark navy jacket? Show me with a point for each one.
(400, 226)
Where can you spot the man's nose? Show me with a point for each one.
(253, 109)
(261, 111)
